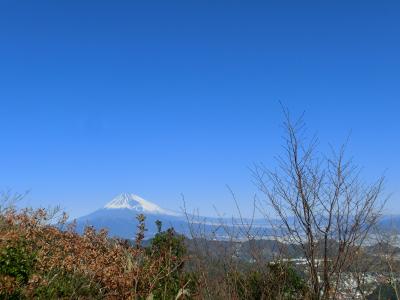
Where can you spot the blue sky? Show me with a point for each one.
(161, 98)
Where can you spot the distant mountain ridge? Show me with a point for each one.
(119, 217)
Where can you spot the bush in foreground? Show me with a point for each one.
(46, 259)
(39, 260)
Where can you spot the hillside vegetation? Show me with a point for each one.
(45, 259)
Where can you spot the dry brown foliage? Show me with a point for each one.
(122, 271)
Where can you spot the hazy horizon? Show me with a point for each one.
(163, 98)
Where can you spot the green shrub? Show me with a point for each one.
(16, 266)
(17, 261)
(384, 291)
(169, 249)
(67, 285)
(291, 284)
(276, 281)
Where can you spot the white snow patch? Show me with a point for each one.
(134, 202)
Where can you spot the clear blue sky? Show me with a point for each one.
(160, 98)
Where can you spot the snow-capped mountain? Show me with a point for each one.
(119, 217)
(138, 204)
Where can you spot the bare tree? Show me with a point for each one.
(322, 204)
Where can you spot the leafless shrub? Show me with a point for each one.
(322, 204)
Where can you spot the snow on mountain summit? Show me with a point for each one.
(134, 202)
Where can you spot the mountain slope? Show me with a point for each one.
(119, 217)
(138, 204)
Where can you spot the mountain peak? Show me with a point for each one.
(137, 203)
